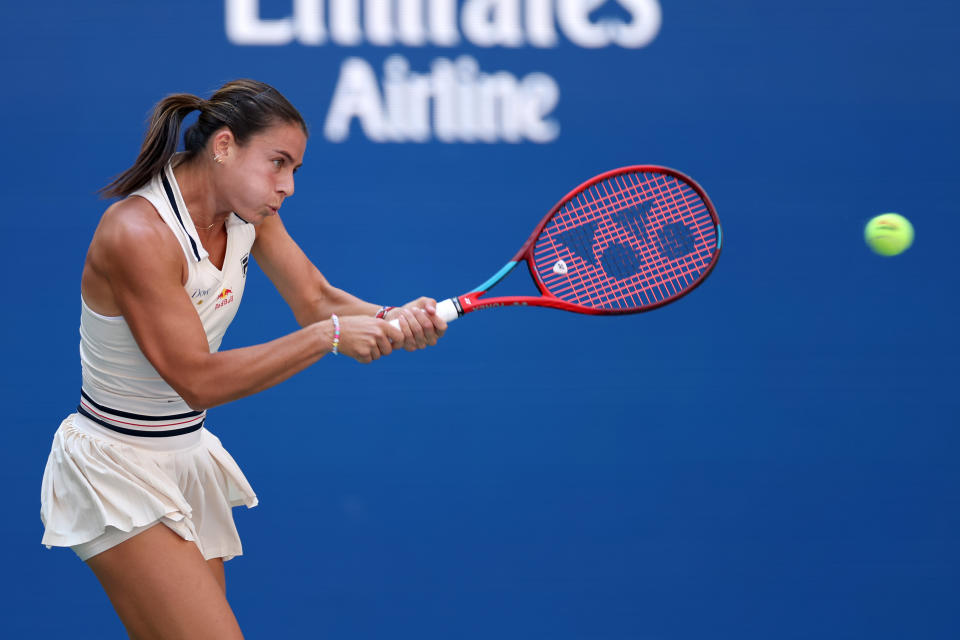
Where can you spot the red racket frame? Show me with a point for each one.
(474, 300)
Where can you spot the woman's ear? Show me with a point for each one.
(222, 144)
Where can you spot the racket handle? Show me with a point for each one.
(446, 309)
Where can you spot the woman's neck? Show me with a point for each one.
(199, 194)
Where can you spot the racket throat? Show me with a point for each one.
(494, 279)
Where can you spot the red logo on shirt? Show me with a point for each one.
(224, 298)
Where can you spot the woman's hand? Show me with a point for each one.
(366, 339)
(419, 322)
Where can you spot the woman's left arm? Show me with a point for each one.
(312, 298)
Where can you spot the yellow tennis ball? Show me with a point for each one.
(889, 234)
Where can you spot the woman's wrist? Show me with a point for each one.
(383, 311)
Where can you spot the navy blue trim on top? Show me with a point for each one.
(176, 210)
(137, 416)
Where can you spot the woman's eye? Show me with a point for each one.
(278, 163)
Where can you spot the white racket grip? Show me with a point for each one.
(446, 309)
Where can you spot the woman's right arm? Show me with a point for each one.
(143, 266)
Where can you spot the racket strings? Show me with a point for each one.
(630, 241)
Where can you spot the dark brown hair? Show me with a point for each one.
(244, 106)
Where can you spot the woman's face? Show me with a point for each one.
(255, 178)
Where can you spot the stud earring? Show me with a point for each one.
(217, 159)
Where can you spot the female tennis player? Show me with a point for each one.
(135, 484)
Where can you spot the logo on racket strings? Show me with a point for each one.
(619, 260)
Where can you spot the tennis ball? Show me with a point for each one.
(889, 234)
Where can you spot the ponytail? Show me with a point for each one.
(159, 145)
(244, 106)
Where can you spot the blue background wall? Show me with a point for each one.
(771, 457)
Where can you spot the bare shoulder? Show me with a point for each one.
(133, 219)
(273, 242)
(270, 227)
(131, 245)
(130, 232)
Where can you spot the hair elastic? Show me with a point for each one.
(382, 312)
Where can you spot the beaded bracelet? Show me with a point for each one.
(382, 312)
(336, 334)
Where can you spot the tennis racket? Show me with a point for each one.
(629, 240)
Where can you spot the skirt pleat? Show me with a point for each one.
(96, 479)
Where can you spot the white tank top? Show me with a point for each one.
(121, 390)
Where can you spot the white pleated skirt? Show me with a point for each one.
(97, 480)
